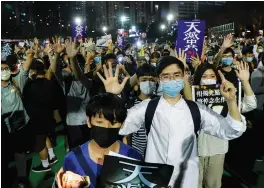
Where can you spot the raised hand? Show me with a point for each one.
(228, 41)
(242, 71)
(196, 61)
(111, 82)
(30, 52)
(71, 49)
(58, 47)
(181, 56)
(227, 89)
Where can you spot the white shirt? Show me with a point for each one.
(171, 139)
(210, 145)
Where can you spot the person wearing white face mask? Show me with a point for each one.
(147, 84)
(212, 150)
(172, 123)
(14, 117)
(154, 58)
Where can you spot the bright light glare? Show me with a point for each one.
(138, 43)
(78, 20)
(104, 29)
(133, 28)
(123, 18)
(170, 17)
(162, 26)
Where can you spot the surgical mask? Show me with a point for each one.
(5, 75)
(210, 58)
(236, 51)
(154, 64)
(147, 58)
(104, 137)
(147, 87)
(227, 61)
(260, 50)
(249, 59)
(173, 87)
(97, 59)
(208, 82)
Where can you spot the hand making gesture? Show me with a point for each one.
(227, 89)
(111, 82)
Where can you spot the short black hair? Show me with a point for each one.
(200, 71)
(11, 60)
(155, 55)
(167, 61)
(38, 66)
(229, 50)
(107, 104)
(247, 49)
(146, 70)
(106, 57)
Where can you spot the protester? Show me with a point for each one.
(182, 155)
(105, 115)
(41, 100)
(14, 117)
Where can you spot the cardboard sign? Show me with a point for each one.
(102, 41)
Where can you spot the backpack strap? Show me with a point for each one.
(83, 164)
(196, 116)
(151, 108)
(16, 88)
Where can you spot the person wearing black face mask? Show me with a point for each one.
(105, 115)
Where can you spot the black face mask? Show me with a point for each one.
(104, 137)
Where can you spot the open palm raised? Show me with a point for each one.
(111, 82)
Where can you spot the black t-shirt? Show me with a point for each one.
(41, 98)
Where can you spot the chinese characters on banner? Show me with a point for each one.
(190, 37)
(6, 50)
(78, 31)
(126, 173)
(210, 96)
(120, 41)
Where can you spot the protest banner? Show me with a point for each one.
(190, 37)
(121, 172)
(102, 41)
(210, 96)
(78, 31)
(120, 41)
(7, 48)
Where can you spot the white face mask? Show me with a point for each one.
(5, 75)
(147, 58)
(207, 82)
(147, 87)
(154, 64)
(260, 50)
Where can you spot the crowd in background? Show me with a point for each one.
(101, 95)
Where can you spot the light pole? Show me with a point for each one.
(162, 28)
(169, 18)
(104, 30)
(123, 19)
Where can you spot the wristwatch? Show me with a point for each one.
(86, 181)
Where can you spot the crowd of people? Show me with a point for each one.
(140, 106)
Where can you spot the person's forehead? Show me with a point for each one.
(171, 69)
(228, 54)
(146, 77)
(209, 72)
(4, 65)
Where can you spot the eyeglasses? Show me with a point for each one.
(168, 77)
